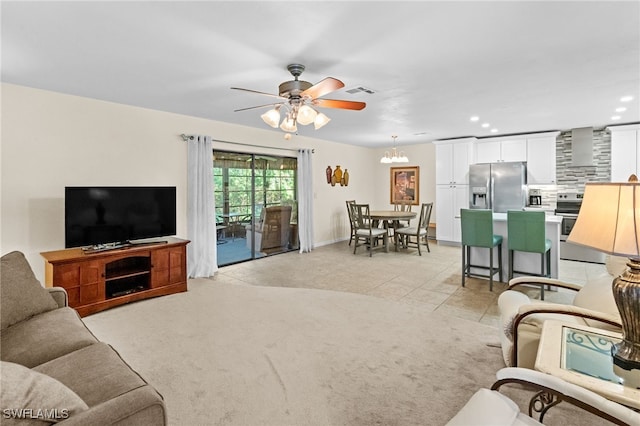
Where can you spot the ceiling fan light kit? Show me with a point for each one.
(394, 157)
(301, 99)
(289, 124)
(306, 115)
(272, 117)
(320, 120)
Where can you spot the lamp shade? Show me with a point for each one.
(289, 124)
(609, 218)
(402, 158)
(320, 120)
(306, 115)
(272, 117)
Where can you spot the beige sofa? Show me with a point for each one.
(53, 369)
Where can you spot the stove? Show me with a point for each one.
(568, 206)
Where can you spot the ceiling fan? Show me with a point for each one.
(300, 98)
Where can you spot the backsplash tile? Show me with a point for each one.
(570, 178)
(573, 179)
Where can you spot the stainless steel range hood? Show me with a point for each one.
(582, 147)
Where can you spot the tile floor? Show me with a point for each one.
(432, 281)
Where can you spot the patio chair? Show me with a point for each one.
(275, 227)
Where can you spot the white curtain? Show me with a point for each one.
(201, 224)
(305, 200)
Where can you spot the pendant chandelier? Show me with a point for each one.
(394, 157)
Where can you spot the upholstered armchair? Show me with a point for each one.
(490, 407)
(522, 318)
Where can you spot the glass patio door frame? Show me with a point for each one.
(273, 188)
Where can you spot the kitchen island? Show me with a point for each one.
(522, 261)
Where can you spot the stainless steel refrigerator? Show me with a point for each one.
(498, 186)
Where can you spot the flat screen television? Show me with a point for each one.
(99, 215)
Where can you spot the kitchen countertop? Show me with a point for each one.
(541, 207)
(549, 218)
(502, 217)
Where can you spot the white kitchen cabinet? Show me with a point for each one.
(541, 158)
(449, 200)
(514, 150)
(625, 151)
(494, 150)
(452, 161)
(488, 152)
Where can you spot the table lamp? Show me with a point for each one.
(609, 221)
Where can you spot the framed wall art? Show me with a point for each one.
(405, 184)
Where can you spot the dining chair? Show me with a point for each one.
(404, 235)
(526, 231)
(351, 221)
(477, 231)
(365, 230)
(402, 206)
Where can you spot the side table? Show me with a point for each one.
(582, 355)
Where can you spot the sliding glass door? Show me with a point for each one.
(256, 208)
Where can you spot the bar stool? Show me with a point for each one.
(526, 231)
(477, 231)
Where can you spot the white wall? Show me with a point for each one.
(51, 140)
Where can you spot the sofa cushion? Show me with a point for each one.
(44, 337)
(44, 398)
(103, 374)
(21, 294)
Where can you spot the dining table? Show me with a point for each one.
(391, 217)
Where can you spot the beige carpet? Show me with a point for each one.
(226, 354)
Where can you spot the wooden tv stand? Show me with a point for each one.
(104, 279)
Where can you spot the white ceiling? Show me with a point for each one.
(521, 66)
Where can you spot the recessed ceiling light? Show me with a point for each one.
(494, 130)
(615, 117)
(474, 118)
(621, 109)
(485, 125)
(626, 98)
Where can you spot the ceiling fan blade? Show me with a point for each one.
(333, 103)
(323, 87)
(259, 93)
(259, 106)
